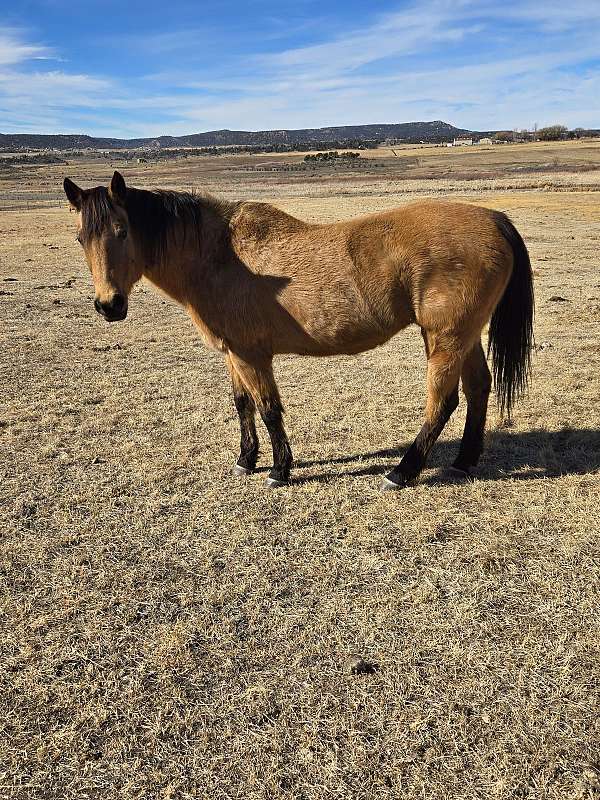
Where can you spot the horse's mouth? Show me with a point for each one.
(115, 317)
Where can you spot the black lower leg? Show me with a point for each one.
(282, 452)
(477, 383)
(471, 446)
(249, 440)
(416, 456)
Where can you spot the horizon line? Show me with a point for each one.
(278, 130)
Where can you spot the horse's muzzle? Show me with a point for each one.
(113, 311)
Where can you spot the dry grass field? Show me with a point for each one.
(170, 631)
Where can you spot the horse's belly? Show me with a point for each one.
(341, 317)
(339, 331)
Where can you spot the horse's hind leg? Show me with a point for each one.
(246, 409)
(443, 371)
(476, 383)
(259, 382)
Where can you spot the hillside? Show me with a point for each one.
(435, 131)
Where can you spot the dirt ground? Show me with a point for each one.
(170, 631)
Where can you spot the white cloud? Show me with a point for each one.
(13, 50)
(37, 101)
(44, 101)
(552, 16)
(392, 35)
(53, 87)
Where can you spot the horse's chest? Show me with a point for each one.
(209, 338)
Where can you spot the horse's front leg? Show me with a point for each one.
(246, 410)
(259, 382)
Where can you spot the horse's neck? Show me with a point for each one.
(188, 271)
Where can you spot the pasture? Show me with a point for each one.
(171, 631)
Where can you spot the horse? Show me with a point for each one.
(258, 282)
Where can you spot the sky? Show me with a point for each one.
(132, 68)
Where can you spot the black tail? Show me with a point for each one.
(511, 326)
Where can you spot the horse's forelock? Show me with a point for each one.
(95, 212)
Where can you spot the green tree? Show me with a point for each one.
(553, 133)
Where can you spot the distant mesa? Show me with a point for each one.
(410, 132)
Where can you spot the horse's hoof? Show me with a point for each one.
(387, 485)
(240, 471)
(274, 483)
(460, 474)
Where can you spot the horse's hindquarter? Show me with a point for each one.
(336, 293)
(450, 258)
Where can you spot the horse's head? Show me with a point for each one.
(108, 243)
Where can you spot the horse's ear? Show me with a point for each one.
(73, 192)
(117, 189)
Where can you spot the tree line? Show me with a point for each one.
(551, 133)
(330, 155)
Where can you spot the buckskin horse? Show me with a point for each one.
(258, 282)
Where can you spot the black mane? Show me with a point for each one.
(155, 216)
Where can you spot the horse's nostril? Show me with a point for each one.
(118, 303)
(98, 306)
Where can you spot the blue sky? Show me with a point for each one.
(150, 68)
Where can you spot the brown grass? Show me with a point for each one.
(169, 631)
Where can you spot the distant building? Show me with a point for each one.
(461, 142)
(485, 141)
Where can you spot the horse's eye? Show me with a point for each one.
(78, 239)
(121, 233)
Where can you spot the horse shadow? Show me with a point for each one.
(525, 455)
